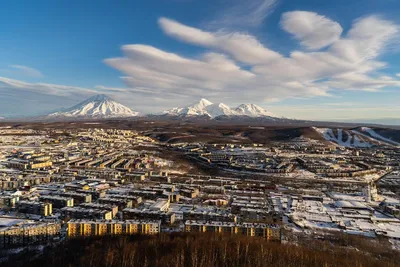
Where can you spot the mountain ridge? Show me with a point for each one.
(205, 107)
(97, 106)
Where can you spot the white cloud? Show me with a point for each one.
(312, 30)
(398, 74)
(240, 13)
(156, 72)
(44, 88)
(366, 40)
(243, 47)
(340, 104)
(20, 98)
(27, 71)
(249, 71)
(237, 68)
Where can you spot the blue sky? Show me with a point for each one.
(332, 60)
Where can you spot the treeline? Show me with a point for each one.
(196, 250)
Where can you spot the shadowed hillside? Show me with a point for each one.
(199, 250)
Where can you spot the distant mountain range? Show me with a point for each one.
(102, 106)
(214, 110)
(386, 121)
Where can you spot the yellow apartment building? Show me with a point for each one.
(269, 231)
(103, 227)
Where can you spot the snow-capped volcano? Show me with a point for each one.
(252, 110)
(220, 109)
(207, 108)
(196, 109)
(202, 108)
(98, 106)
(199, 106)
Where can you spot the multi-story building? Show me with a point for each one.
(7, 201)
(189, 192)
(33, 162)
(86, 213)
(102, 227)
(136, 200)
(269, 231)
(57, 201)
(33, 207)
(120, 203)
(112, 208)
(78, 197)
(137, 214)
(30, 233)
(160, 178)
(193, 215)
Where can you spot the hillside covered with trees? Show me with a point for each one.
(198, 250)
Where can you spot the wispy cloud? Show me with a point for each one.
(312, 30)
(50, 96)
(340, 104)
(238, 66)
(243, 13)
(27, 71)
(7, 84)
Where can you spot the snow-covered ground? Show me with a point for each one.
(374, 134)
(344, 138)
(329, 215)
(363, 138)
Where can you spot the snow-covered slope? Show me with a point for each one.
(202, 108)
(372, 133)
(252, 110)
(207, 108)
(98, 106)
(363, 137)
(196, 109)
(346, 138)
(220, 109)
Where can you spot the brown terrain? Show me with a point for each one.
(175, 130)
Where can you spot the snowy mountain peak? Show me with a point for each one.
(195, 109)
(99, 98)
(98, 106)
(253, 110)
(219, 109)
(206, 108)
(201, 104)
(203, 107)
(205, 102)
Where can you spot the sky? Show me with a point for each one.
(304, 59)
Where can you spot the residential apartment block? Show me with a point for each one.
(269, 231)
(102, 227)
